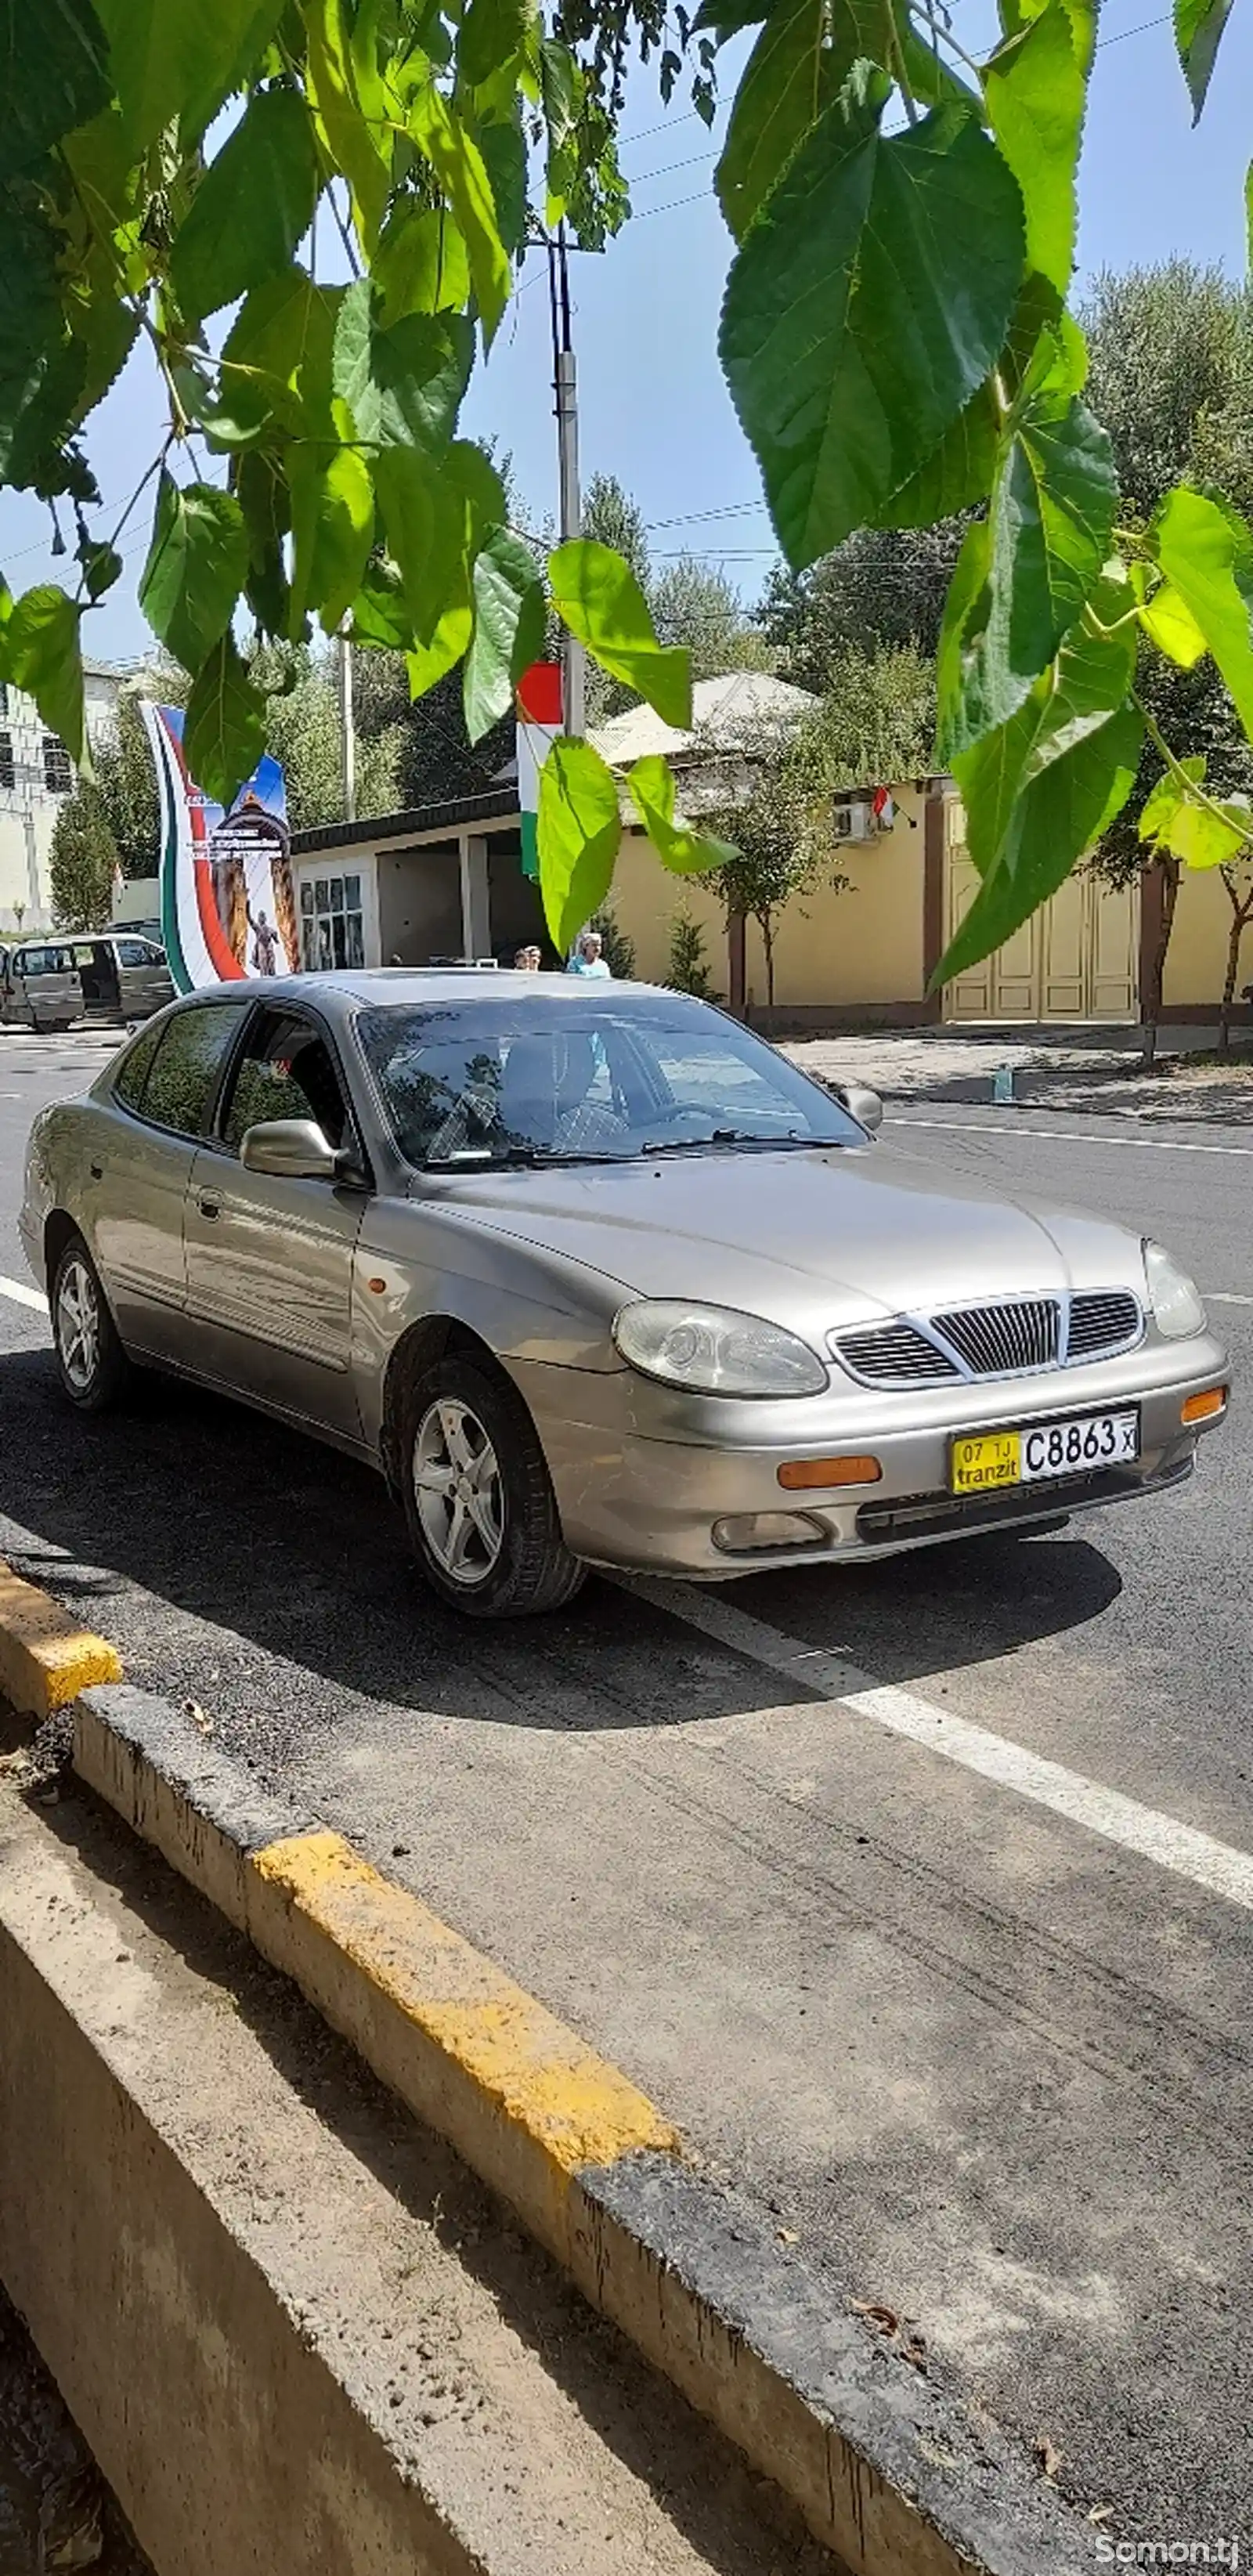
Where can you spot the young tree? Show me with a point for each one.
(163, 167)
(83, 862)
(689, 970)
(777, 817)
(125, 777)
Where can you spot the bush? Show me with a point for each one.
(688, 970)
(83, 862)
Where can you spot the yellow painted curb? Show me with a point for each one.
(46, 1659)
(468, 2049)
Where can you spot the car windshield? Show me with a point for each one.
(601, 1077)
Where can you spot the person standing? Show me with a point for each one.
(588, 959)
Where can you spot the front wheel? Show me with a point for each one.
(93, 1366)
(478, 1497)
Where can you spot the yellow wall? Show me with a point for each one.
(863, 945)
(1196, 960)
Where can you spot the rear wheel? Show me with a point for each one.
(478, 1497)
(93, 1366)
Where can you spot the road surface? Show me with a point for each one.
(922, 1898)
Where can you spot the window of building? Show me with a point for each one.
(183, 1076)
(8, 772)
(332, 929)
(58, 767)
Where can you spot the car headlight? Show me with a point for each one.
(716, 1351)
(1174, 1298)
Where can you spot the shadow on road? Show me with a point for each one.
(188, 1509)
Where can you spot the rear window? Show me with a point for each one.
(183, 1076)
(43, 961)
(132, 1072)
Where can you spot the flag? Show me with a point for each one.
(883, 809)
(539, 723)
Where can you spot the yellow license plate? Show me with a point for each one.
(986, 1461)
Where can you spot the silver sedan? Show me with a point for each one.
(593, 1275)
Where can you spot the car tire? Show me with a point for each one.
(93, 1367)
(478, 1498)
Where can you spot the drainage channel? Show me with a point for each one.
(55, 2510)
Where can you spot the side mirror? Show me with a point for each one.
(863, 1104)
(291, 1149)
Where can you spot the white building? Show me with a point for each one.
(36, 776)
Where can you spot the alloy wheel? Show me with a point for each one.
(459, 1491)
(78, 1325)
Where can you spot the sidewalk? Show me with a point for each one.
(1054, 1068)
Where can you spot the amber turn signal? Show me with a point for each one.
(802, 1474)
(1203, 1407)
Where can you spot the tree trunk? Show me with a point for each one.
(766, 920)
(1166, 870)
(1239, 918)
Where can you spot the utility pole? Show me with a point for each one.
(570, 510)
(347, 729)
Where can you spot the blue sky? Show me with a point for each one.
(654, 409)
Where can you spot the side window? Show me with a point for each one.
(285, 1071)
(133, 952)
(183, 1075)
(132, 1072)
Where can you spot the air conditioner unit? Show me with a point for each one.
(853, 818)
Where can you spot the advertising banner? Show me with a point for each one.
(227, 906)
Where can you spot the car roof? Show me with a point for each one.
(419, 986)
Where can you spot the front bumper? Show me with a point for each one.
(643, 1474)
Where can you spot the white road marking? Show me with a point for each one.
(1060, 1136)
(1224, 1297)
(1178, 1847)
(21, 1295)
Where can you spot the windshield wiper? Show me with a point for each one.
(733, 1136)
(531, 1158)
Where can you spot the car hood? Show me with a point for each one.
(808, 1239)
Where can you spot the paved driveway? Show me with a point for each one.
(921, 1897)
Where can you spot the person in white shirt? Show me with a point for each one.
(587, 958)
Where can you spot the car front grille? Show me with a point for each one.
(1007, 1340)
(1104, 1321)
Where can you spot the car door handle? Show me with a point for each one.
(210, 1207)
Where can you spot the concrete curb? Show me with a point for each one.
(46, 1658)
(887, 2472)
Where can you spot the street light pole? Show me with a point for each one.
(570, 510)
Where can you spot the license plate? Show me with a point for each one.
(985, 1461)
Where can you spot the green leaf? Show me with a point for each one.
(102, 567)
(56, 76)
(492, 32)
(433, 661)
(874, 289)
(254, 204)
(195, 569)
(277, 362)
(1203, 835)
(503, 146)
(403, 386)
(1199, 26)
(598, 597)
(784, 87)
(458, 165)
(1206, 552)
(508, 628)
(41, 652)
(359, 143)
(957, 476)
(1169, 623)
(224, 735)
(379, 614)
(683, 851)
(421, 264)
(332, 517)
(1161, 800)
(1025, 572)
(163, 57)
(579, 832)
(436, 520)
(1041, 789)
(261, 490)
(1035, 96)
(31, 328)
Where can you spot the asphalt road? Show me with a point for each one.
(945, 1958)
